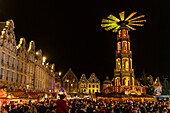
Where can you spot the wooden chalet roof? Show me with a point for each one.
(19, 94)
(35, 95)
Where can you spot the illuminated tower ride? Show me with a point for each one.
(123, 73)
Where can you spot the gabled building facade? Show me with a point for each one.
(93, 85)
(23, 68)
(81, 87)
(157, 86)
(83, 83)
(70, 82)
(8, 57)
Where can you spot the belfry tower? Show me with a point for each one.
(123, 73)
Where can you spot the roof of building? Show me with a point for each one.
(2, 26)
(93, 78)
(83, 78)
(70, 74)
(107, 81)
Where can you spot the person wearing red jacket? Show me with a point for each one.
(62, 106)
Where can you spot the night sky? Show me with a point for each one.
(70, 35)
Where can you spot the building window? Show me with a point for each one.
(97, 86)
(3, 57)
(8, 60)
(12, 78)
(12, 62)
(25, 69)
(21, 78)
(7, 72)
(1, 73)
(93, 90)
(25, 79)
(89, 86)
(93, 80)
(17, 78)
(18, 65)
(21, 68)
(89, 91)
(93, 86)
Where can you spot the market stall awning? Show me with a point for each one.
(3, 94)
(35, 95)
(19, 94)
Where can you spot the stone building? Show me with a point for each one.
(106, 83)
(83, 82)
(157, 86)
(70, 82)
(81, 87)
(23, 68)
(57, 82)
(93, 85)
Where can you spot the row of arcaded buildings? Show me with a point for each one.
(21, 66)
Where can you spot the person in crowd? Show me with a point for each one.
(42, 108)
(87, 106)
(102, 110)
(14, 109)
(82, 109)
(3, 110)
(62, 104)
(20, 108)
(33, 109)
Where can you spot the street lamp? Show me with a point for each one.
(59, 73)
(27, 86)
(44, 60)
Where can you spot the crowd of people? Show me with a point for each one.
(89, 106)
(41, 107)
(63, 105)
